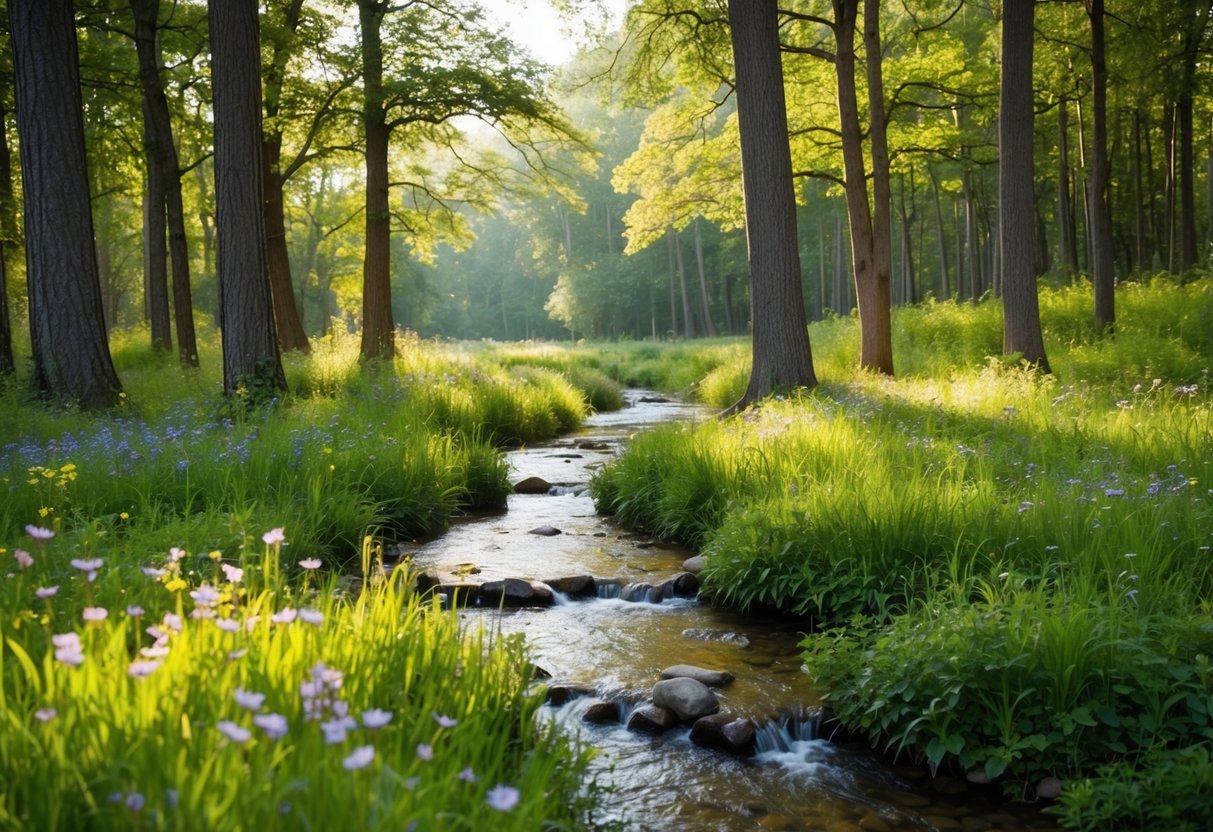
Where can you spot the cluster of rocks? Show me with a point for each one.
(684, 696)
(523, 592)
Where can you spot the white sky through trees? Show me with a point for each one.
(536, 26)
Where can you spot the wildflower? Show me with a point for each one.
(274, 725)
(176, 585)
(214, 554)
(173, 621)
(122, 515)
(94, 613)
(284, 616)
(39, 533)
(175, 554)
(467, 775)
(135, 801)
(274, 536)
(335, 729)
(45, 714)
(502, 798)
(68, 649)
(376, 718)
(228, 625)
(1130, 555)
(141, 669)
(234, 574)
(134, 611)
(202, 614)
(237, 654)
(360, 757)
(251, 622)
(155, 652)
(153, 572)
(24, 559)
(89, 565)
(249, 700)
(45, 592)
(425, 752)
(171, 798)
(1026, 505)
(205, 596)
(233, 732)
(310, 563)
(311, 616)
(1114, 492)
(445, 721)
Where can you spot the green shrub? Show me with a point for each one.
(1168, 789)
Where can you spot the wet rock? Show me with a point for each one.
(575, 586)
(685, 584)
(724, 732)
(975, 824)
(949, 785)
(1049, 788)
(652, 400)
(567, 456)
(705, 634)
(581, 490)
(635, 592)
(687, 698)
(977, 776)
(515, 592)
(601, 712)
(593, 446)
(694, 565)
(874, 823)
(777, 822)
(909, 800)
(532, 485)
(711, 678)
(942, 822)
(563, 694)
(546, 531)
(538, 672)
(426, 582)
(459, 594)
(652, 719)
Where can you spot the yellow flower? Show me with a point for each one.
(123, 516)
(45, 510)
(176, 585)
(67, 469)
(328, 450)
(215, 555)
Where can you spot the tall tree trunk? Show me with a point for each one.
(67, 324)
(841, 300)
(1066, 239)
(206, 219)
(820, 306)
(1187, 163)
(291, 335)
(378, 327)
(1170, 123)
(1139, 209)
(687, 315)
(781, 354)
(876, 338)
(972, 236)
(672, 270)
(251, 360)
(1102, 273)
(8, 243)
(155, 255)
(945, 287)
(708, 325)
(1021, 331)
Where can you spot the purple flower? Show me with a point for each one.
(360, 757)
(1114, 492)
(153, 572)
(502, 798)
(445, 721)
(45, 714)
(233, 732)
(134, 611)
(135, 801)
(425, 752)
(89, 565)
(39, 533)
(274, 536)
(284, 616)
(45, 592)
(311, 616)
(248, 700)
(94, 613)
(205, 596)
(274, 725)
(24, 559)
(141, 669)
(376, 718)
(468, 776)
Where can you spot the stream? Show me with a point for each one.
(607, 649)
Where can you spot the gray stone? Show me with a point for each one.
(515, 592)
(711, 678)
(575, 586)
(685, 583)
(724, 732)
(635, 592)
(532, 485)
(652, 719)
(687, 698)
(562, 694)
(1049, 788)
(458, 594)
(601, 712)
(694, 565)
(546, 531)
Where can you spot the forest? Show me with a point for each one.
(885, 326)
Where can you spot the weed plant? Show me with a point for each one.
(1008, 574)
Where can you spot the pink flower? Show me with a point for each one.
(153, 572)
(360, 757)
(233, 732)
(140, 669)
(134, 611)
(228, 625)
(311, 616)
(376, 718)
(274, 725)
(24, 559)
(274, 536)
(234, 574)
(45, 714)
(45, 592)
(284, 616)
(502, 798)
(89, 565)
(175, 554)
(39, 533)
(94, 613)
(310, 563)
(68, 649)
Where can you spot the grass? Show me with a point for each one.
(165, 559)
(1005, 573)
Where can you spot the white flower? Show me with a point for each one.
(153, 572)
(94, 613)
(360, 757)
(310, 563)
(274, 536)
(45, 714)
(311, 616)
(228, 625)
(90, 565)
(284, 616)
(45, 592)
(234, 574)
(205, 596)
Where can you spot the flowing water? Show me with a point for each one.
(609, 649)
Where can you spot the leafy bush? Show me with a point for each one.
(1168, 789)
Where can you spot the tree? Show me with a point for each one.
(1101, 218)
(250, 344)
(166, 211)
(1021, 309)
(781, 352)
(8, 234)
(67, 326)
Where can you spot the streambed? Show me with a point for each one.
(603, 648)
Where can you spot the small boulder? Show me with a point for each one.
(684, 584)
(1049, 788)
(694, 565)
(458, 594)
(515, 592)
(711, 678)
(562, 694)
(724, 732)
(652, 719)
(601, 712)
(546, 531)
(575, 586)
(532, 485)
(687, 698)
(635, 592)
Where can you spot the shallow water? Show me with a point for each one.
(609, 649)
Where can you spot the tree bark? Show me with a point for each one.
(781, 353)
(708, 325)
(378, 326)
(291, 335)
(1102, 275)
(7, 243)
(944, 281)
(687, 316)
(1067, 240)
(67, 324)
(1021, 331)
(251, 362)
